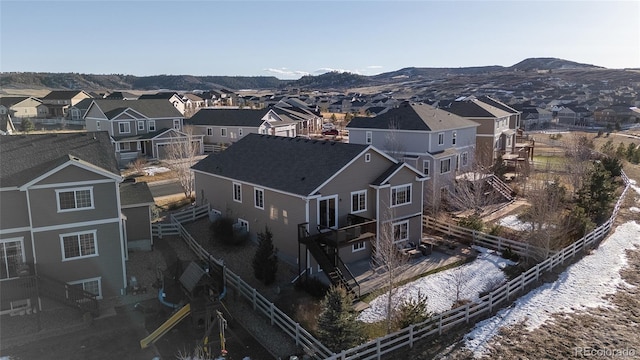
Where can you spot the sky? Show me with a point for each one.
(289, 39)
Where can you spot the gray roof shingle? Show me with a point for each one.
(291, 165)
(410, 116)
(135, 194)
(228, 117)
(151, 108)
(25, 157)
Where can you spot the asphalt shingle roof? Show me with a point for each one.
(292, 165)
(61, 94)
(25, 157)
(135, 193)
(409, 116)
(9, 101)
(151, 108)
(228, 117)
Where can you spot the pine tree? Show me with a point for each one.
(26, 125)
(597, 194)
(265, 260)
(338, 327)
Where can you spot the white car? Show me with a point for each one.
(328, 126)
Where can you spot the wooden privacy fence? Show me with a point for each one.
(486, 305)
(259, 303)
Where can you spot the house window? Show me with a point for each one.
(244, 224)
(258, 198)
(367, 157)
(237, 192)
(93, 286)
(79, 245)
(124, 146)
(11, 256)
(75, 114)
(176, 124)
(209, 131)
(140, 125)
(359, 201)
(401, 195)
(328, 212)
(239, 132)
(441, 139)
(465, 158)
(369, 137)
(76, 199)
(445, 166)
(223, 132)
(359, 246)
(401, 231)
(124, 127)
(425, 167)
(97, 125)
(453, 138)
(152, 125)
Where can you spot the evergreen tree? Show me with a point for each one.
(26, 125)
(597, 194)
(621, 151)
(607, 148)
(338, 327)
(265, 260)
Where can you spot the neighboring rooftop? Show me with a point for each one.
(151, 108)
(291, 165)
(132, 193)
(228, 117)
(25, 157)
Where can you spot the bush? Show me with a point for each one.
(508, 253)
(313, 286)
(265, 260)
(222, 230)
(411, 311)
(472, 222)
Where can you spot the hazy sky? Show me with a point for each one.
(291, 38)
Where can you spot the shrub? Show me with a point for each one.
(26, 125)
(338, 327)
(411, 311)
(508, 253)
(472, 222)
(313, 286)
(222, 230)
(265, 260)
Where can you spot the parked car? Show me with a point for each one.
(328, 126)
(330, 132)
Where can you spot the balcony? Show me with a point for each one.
(357, 229)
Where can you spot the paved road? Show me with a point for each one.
(165, 188)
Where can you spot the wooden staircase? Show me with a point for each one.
(500, 187)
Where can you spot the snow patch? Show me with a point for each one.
(584, 284)
(480, 275)
(153, 170)
(634, 209)
(512, 222)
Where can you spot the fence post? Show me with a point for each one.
(466, 313)
(411, 336)
(378, 348)
(490, 301)
(537, 272)
(271, 312)
(297, 334)
(253, 293)
(440, 325)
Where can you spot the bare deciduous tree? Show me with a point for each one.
(472, 191)
(458, 281)
(181, 155)
(393, 144)
(547, 201)
(578, 152)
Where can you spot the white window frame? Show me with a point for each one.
(176, 124)
(74, 190)
(336, 209)
(358, 246)
(84, 281)
(464, 159)
(152, 125)
(6, 262)
(454, 135)
(141, 125)
(258, 198)
(239, 193)
(399, 224)
(395, 190)
(209, 131)
(426, 168)
(120, 127)
(368, 137)
(367, 157)
(442, 162)
(223, 132)
(360, 194)
(441, 138)
(124, 146)
(244, 224)
(77, 235)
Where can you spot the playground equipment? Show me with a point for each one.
(201, 287)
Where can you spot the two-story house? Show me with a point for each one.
(496, 134)
(20, 107)
(60, 100)
(60, 220)
(434, 141)
(173, 98)
(221, 126)
(139, 127)
(313, 193)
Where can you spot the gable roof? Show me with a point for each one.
(135, 194)
(63, 94)
(9, 101)
(228, 117)
(411, 116)
(25, 157)
(499, 104)
(473, 108)
(160, 95)
(151, 108)
(292, 165)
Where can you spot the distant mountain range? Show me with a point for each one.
(331, 80)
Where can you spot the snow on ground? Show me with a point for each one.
(634, 209)
(152, 170)
(512, 222)
(475, 277)
(582, 285)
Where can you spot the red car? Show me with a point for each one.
(330, 132)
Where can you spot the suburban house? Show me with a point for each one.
(172, 97)
(222, 127)
(136, 205)
(139, 127)
(21, 107)
(326, 203)
(192, 103)
(59, 101)
(496, 134)
(307, 120)
(436, 142)
(61, 225)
